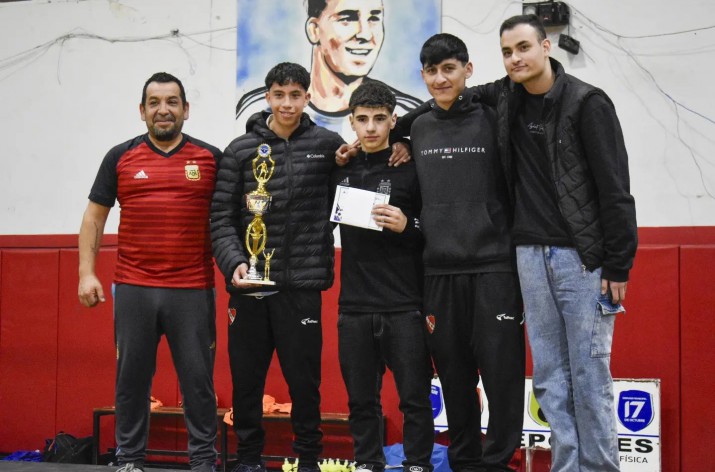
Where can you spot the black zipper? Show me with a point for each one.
(288, 163)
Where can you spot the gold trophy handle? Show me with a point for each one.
(256, 236)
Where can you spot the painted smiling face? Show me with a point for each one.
(349, 35)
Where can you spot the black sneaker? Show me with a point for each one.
(313, 467)
(205, 468)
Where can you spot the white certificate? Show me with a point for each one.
(353, 206)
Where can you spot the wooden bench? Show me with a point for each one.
(176, 412)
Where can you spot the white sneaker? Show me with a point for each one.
(129, 468)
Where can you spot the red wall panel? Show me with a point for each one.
(677, 235)
(646, 341)
(87, 358)
(697, 315)
(222, 369)
(28, 351)
(86, 355)
(60, 356)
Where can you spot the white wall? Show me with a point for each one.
(671, 150)
(65, 102)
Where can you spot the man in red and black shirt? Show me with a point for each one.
(164, 280)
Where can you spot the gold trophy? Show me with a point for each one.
(258, 203)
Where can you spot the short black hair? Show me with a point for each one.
(315, 7)
(286, 73)
(443, 46)
(164, 78)
(531, 20)
(373, 94)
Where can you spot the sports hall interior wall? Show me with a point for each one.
(70, 77)
(57, 357)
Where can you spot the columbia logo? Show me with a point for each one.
(141, 175)
(315, 156)
(307, 321)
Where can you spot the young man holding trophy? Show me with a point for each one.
(273, 242)
(380, 320)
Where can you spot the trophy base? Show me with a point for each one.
(249, 282)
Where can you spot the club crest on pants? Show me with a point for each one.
(430, 322)
(231, 315)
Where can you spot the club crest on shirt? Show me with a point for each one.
(191, 169)
(430, 322)
(231, 315)
(385, 187)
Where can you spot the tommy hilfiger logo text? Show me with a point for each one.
(449, 152)
(141, 175)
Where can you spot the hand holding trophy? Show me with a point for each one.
(258, 203)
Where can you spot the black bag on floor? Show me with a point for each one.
(67, 449)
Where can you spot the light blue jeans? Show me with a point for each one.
(570, 330)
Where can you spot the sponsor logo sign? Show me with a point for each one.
(637, 409)
(439, 413)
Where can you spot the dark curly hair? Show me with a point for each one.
(373, 94)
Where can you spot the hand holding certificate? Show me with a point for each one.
(353, 207)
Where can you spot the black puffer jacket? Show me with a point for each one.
(592, 191)
(297, 222)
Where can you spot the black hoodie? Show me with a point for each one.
(466, 214)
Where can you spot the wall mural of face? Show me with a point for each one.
(349, 35)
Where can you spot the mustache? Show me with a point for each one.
(171, 118)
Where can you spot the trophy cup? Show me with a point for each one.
(258, 203)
